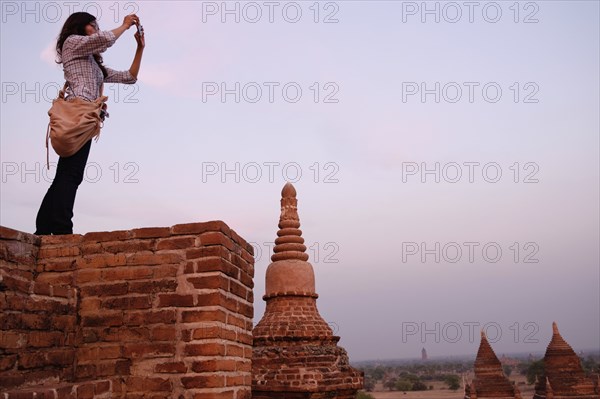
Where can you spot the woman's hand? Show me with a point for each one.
(140, 39)
(137, 59)
(130, 20)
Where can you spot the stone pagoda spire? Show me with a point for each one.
(295, 354)
(490, 381)
(564, 377)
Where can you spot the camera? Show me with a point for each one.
(103, 113)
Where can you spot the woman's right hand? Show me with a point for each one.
(130, 20)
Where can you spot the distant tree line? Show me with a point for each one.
(419, 376)
(416, 376)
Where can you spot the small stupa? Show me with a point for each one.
(564, 377)
(490, 381)
(295, 354)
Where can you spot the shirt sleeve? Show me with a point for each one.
(87, 45)
(119, 77)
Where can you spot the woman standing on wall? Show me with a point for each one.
(78, 47)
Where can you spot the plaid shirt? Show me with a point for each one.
(81, 70)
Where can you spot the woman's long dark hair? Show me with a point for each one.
(75, 25)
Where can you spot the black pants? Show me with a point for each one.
(56, 211)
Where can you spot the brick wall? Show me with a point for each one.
(144, 313)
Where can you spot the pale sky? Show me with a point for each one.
(340, 98)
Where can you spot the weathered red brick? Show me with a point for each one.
(128, 302)
(246, 280)
(129, 334)
(248, 256)
(171, 367)
(91, 248)
(215, 395)
(190, 267)
(83, 371)
(217, 238)
(36, 321)
(83, 276)
(102, 387)
(240, 262)
(55, 278)
(127, 273)
(166, 316)
(193, 316)
(215, 298)
(244, 338)
(62, 240)
(205, 349)
(7, 362)
(236, 321)
(238, 289)
(58, 252)
(7, 233)
(244, 366)
(217, 265)
(42, 288)
(104, 236)
(56, 265)
(12, 340)
(203, 381)
(151, 258)
(101, 260)
(164, 333)
(214, 281)
(166, 271)
(43, 339)
(206, 332)
(64, 322)
(199, 228)
(152, 286)
(104, 290)
(246, 309)
(61, 357)
(175, 243)
(16, 284)
(85, 390)
(234, 350)
(206, 252)
(103, 320)
(212, 365)
(61, 291)
(129, 246)
(147, 384)
(235, 380)
(175, 300)
(95, 353)
(151, 232)
(8, 381)
(146, 350)
(29, 360)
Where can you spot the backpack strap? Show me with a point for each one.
(61, 94)
(47, 150)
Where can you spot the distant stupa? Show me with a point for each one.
(424, 354)
(564, 377)
(490, 381)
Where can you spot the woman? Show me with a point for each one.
(78, 47)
